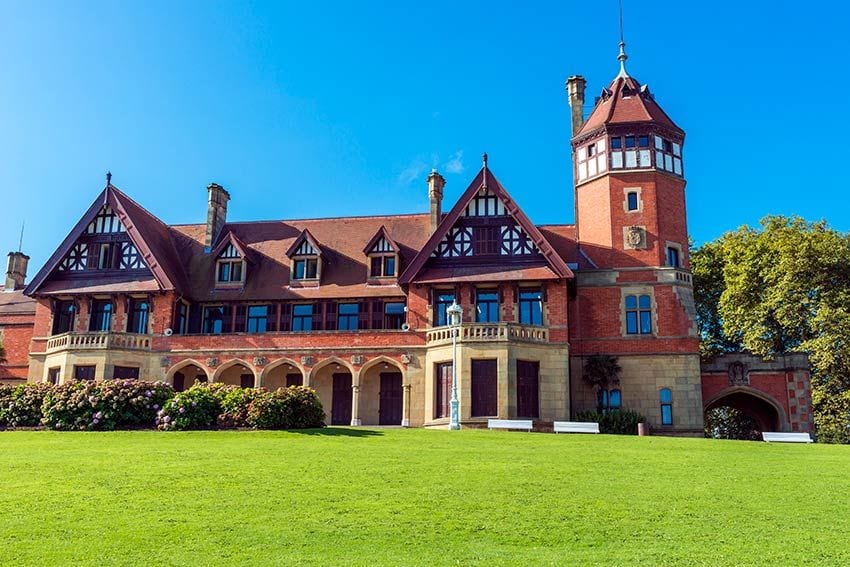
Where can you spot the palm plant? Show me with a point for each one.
(601, 370)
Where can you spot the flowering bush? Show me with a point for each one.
(106, 405)
(195, 408)
(20, 406)
(296, 407)
(234, 405)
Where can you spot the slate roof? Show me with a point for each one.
(16, 303)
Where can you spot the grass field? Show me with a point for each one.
(416, 497)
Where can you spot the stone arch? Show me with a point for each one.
(380, 392)
(219, 374)
(382, 359)
(333, 380)
(185, 364)
(269, 369)
(332, 360)
(762, 407)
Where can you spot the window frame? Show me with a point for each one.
(390, 318)
(302, 318)
(666, 404)
(100, 316)
(383, 261)
(440, 306)
(235, 268)
(530, 301)
(352, 320)
(492, 305)
(138, 319)
(64, 310)
(638, 313)
(307, 262)
(251, 319)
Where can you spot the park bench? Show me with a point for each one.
(576, 427)
(509, 424)
(780, 437)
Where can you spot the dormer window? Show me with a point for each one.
(383, 256)
(230, 266)
(306, 257)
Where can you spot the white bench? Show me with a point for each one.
(778, 437)
(509, 424)
(576, 427)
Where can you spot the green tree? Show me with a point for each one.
(602, 370)
(785, 287)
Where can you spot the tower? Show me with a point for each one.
(629, 177)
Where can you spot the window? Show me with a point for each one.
(632, 200)
(101, 315)
(306, 268)
(53, 376)
(258, 319)
(591, 159)
(486, 306)
(485, 240)
(302, 317)
(393, 315)
(630, 141)
(531, 307)
(137, 317)
(616, 143)
(230, 271)
(643, 141)
(442, 389)
(668, 155)
(63, 317)
(84, 372)
(607, 400)
(125, 373)
(666, 406)
(213, 320)
(442, 301)
(382, 267)
(349, 315)
(181, 322)
(673, 256)
(109, 256)
(591, 150)
(638, 315)
(614, 399)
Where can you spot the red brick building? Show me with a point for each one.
(356, 307)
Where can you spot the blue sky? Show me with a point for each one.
(315, 109)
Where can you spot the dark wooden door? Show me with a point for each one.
(527, 388)
(443, 389)
(391, 399)
(179, 382)
(294, 380)
(484, 380)
(246, 380)
(341, 400)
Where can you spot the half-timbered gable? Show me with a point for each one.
(232, 259)
(383, 256)
(305, 256)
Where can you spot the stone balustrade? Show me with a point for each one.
(488, 332)
(98, 341)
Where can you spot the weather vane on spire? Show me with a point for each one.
(622, 56)
(109, 178)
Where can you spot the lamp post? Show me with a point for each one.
(455, 313)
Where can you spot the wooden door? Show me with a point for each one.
(341, 400)
(527, 388)
(294, 380)
(391, 399)
(246, 380)
(442, 389)
(179, 382)
(484, 384)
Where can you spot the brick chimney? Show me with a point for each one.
(575, 92)
(435, 197)
(216, 213)
(16, 273)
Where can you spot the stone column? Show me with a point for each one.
(405, 406)
(355, 405)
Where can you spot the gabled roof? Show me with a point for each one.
(230, 238)
(305, 235)
(626, 101)
(382, 232)
(487, 179)
(151, 237)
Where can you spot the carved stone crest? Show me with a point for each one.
(308, 360)
(405, 359)
(260, 361)
(738, 375)
(357, 359)
(634, 236)
(165, 361)
(212, 362)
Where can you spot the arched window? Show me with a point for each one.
(614, 399)
(666, 406)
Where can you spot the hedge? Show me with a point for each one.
(617, 422)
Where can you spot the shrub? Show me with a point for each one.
(234, 405)
(616, 422)
(195, 408)
(20, 406)
(107, 405)
(296, 407)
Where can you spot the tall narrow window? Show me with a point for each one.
(486, 306)
(181, 322)
(101, 315)
(442, 301)
(302, 317)
(638, 315)
(53, 376)
(63, 317)
(531, 307)
(666, 406)
(673, 256)
(258, 318)
(349, 315)
(614, 399)
(485, 240)
(137, 318)
(632, 199)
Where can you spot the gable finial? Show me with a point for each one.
(484, 159)
(622, 57)
(109, 178)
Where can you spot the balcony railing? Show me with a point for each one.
(488, 332)
(98, 341)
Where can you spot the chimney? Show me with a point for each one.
(216, 213)
(16, 274)
(575, 92)
(435, 197)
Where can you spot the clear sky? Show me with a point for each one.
(310, 109)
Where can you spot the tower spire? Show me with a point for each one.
(622, 57)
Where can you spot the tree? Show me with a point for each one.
(601, 370)
(784, 287)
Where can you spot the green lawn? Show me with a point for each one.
(416, 497)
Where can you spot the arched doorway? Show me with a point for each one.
(235, 373)
(747, 410)
(332, 380)
(281, 373)
(381, 392)
(183, 374)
